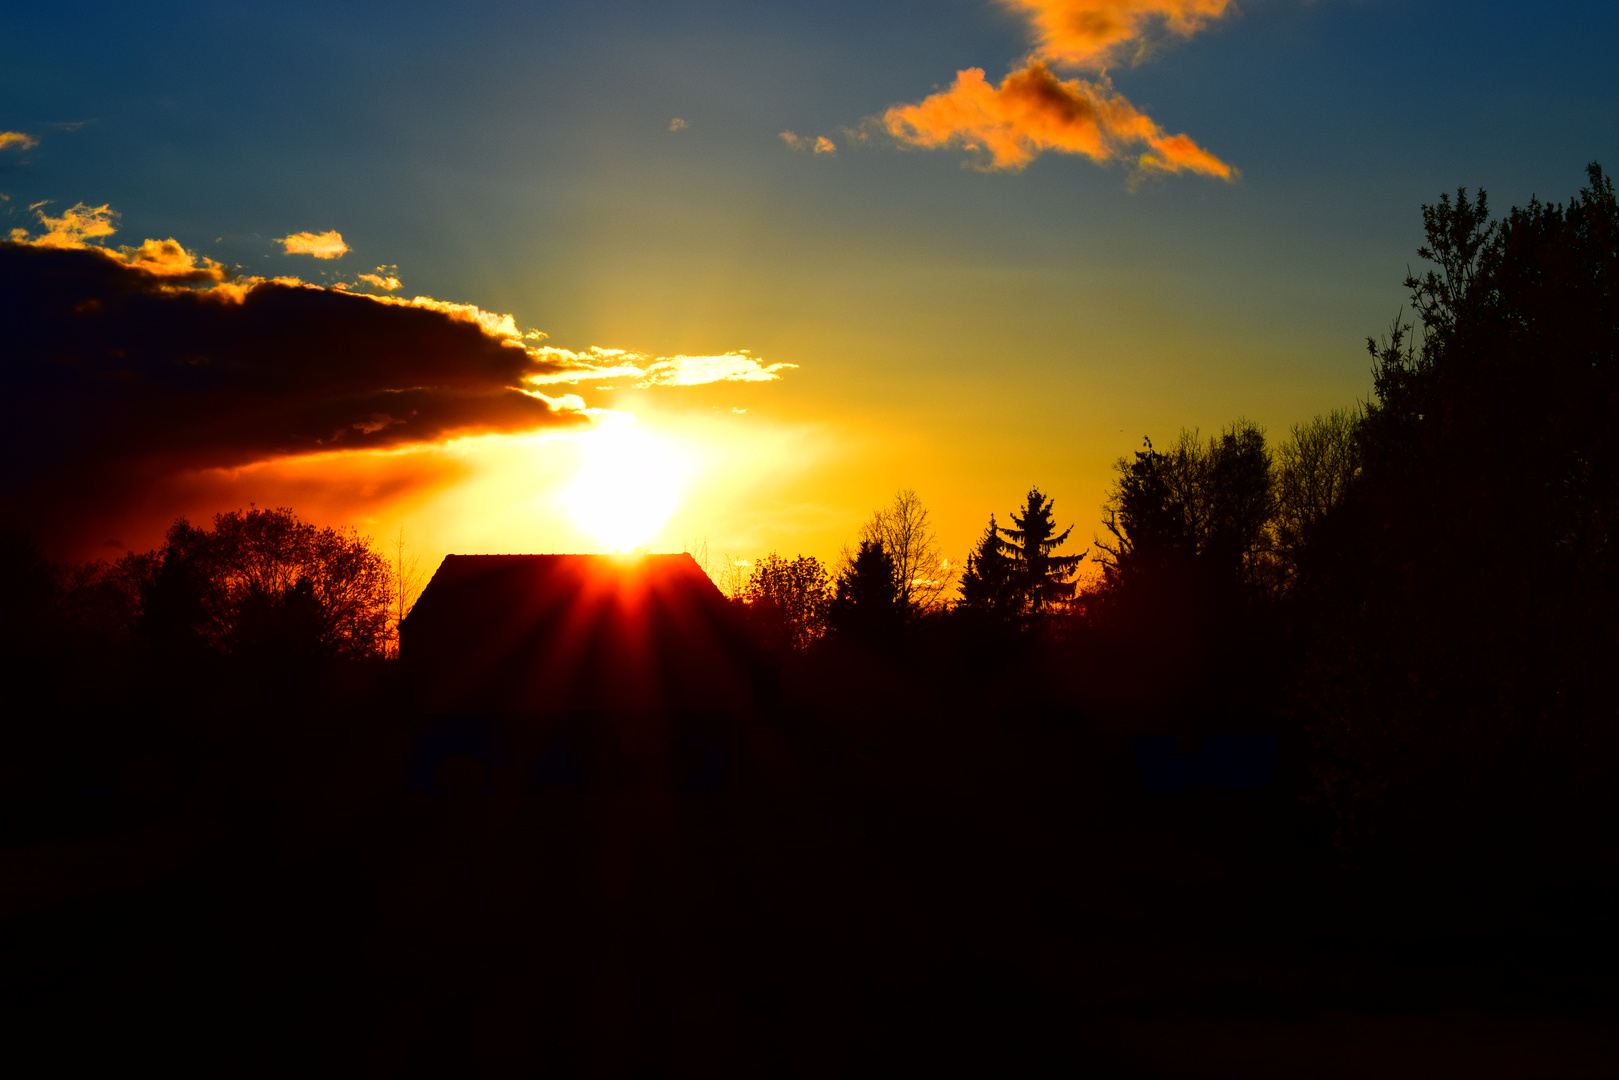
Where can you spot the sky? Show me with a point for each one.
(666, 274)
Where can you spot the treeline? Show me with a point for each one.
(1420, 592)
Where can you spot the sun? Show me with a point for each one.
(630, 481)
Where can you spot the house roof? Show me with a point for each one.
(543, 633)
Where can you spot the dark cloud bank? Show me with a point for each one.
(117, 377)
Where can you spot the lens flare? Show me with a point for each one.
(629, 483)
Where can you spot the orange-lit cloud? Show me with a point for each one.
(326, 245)
(76, 224)
(819, 145)
(1090, 33)
(568, 366)
(380, 281)
(11, 139)
(676, 124)
(168, 259)
(79, 225)
(1034, 111)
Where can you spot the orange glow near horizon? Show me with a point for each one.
(651, 481)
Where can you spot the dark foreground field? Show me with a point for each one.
(882, 894)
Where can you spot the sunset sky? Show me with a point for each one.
(740, 269)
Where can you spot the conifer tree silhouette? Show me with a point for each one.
(867, 602)
(987, 584)
(1041, 577)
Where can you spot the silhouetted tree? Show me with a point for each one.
(406, 581)
(265, 576)
(1042, 578)
(1201, 509)
(1315, 470)
(1462, 602)
(787, 600)
(988, 585)
(1241, 502)
(867, 604)
(901, 528)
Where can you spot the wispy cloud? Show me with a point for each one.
(677, 124)
(326, 245)
(16, 140)
(380, 280)
(596, 363)
(1034, 111)
(75, 225)
(698, 370)
(79, 226)
(820, 144)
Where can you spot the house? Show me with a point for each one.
(585, 671)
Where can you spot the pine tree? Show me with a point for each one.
(867, 602)
(987, 584)
(1040, 577)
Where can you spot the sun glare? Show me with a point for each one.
(629, 483)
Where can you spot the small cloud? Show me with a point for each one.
(326, 245)
(566, 366)
(169, 259)
(69, 125)
(698, 370)
(820, 144)
(738, 411)
(676, 124)
(10, 139)
(389, 283)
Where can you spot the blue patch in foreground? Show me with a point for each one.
(1232, 761)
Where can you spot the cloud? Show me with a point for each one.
(698, 370)
(378, 280)
(120, 373)
(80, 224)
(567, 366)
(326, 245)
(1034, 111)
(676, 124)
(10, 139)
(1090, 33)
(131, 372)
(167, 259)
(76, 224)
(819, 145)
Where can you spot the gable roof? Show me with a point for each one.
(543, 633)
